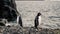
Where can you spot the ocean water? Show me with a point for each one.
(50, 11)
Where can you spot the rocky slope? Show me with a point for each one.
(27, 30)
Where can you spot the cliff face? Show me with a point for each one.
(50, 12)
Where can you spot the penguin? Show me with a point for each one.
(37, 20)
(19, 20)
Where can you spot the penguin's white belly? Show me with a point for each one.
(39, 20)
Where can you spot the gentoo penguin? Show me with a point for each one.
(37, 20)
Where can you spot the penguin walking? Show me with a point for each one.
(37, 20)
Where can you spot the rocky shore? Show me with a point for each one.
(27, 30)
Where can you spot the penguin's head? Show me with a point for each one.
(39, 14)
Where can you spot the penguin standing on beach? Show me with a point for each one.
(37, 20)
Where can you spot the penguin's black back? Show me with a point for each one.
(20, 22)
(36, 22)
